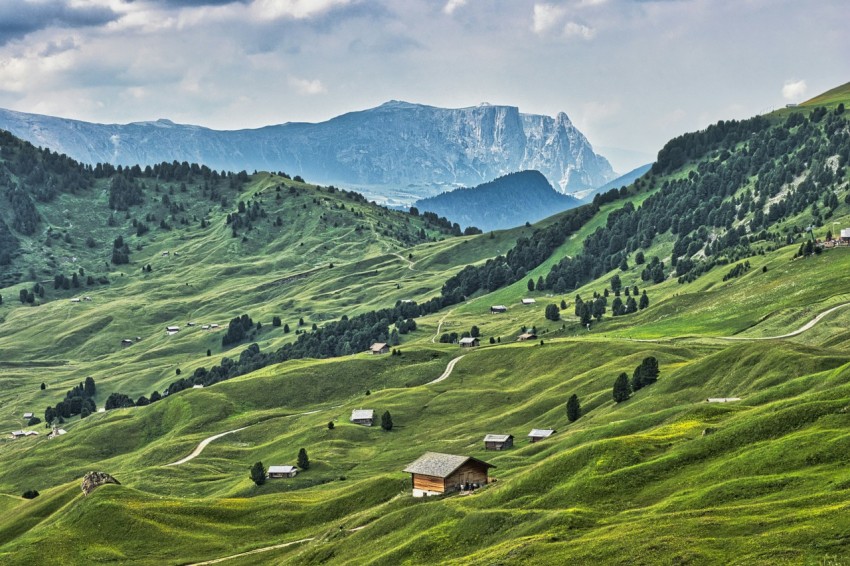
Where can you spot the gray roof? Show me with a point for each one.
(440, 465)
(358, 414)
(468, 340)
(541, 432)
(497, 437)
(281, 469)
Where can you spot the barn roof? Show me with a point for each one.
(378, 346)
(281, 469)
(358, 414)
(541, 432)
(440, 465)
(468, 340)
(497, 437)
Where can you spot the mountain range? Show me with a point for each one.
(396, 152)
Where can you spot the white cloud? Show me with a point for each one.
(453, 5)
(794, 90)
(307, 86)
(575, 29)
(297, 9)
(547, 17)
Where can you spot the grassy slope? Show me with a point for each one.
(661, 478)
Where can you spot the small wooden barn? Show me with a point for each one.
(469, 342)
(528, 301)
(498, 441)
(498, 309)
(282, 472)
(379, 348)
(435, 473)
(28, 415)
(538, 434)
(526, 336)
(365, 417)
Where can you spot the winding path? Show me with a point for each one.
(203, 444)
(197, 452)
(255, 551)
(797, 332)
(449, 368)
(410, 263)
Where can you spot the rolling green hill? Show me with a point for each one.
(663, 477)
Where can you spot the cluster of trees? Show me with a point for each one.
(702, 204)
(124, 192)
(737, 271)
(9, 245)
(79, 400)
(645, 374)
(237, 330)
(808, 248)
(120, 251)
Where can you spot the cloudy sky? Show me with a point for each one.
(630, 73)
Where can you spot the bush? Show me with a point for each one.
(30, 494)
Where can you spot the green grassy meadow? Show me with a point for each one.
(662, 478)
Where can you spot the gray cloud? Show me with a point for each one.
(195, 3)
(20, 18)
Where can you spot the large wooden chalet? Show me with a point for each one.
(435, 473)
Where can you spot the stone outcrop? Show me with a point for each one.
(93, 480)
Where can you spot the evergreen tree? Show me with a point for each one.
(531, 284)
(474, 332)
(387, 421)
(43, 386)
(598, 308)
(573, 408)
(276, 321)
(616, 284)
(330, 425)
(258, 473)
(394, 339)
(631, 305)
(286, 328)
(644, 301)
(563, 305)
(621, 388)
(646, 373)
(552, 312)
(617, 307)
(541, 285)
(303, 459)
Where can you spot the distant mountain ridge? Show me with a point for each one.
(621, 181)
(508, 201)
(398, 150)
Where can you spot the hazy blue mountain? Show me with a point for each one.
(508, 201)
(623, 180)
(398, 150)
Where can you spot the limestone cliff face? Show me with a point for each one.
(398, 148)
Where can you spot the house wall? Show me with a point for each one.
(366, 422)
(471, 472)
(499, 445)
(428, 483)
